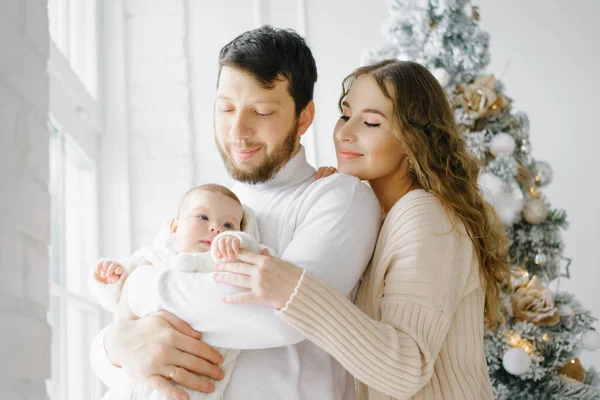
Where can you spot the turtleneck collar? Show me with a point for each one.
(295, 171)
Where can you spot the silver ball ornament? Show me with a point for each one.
(540, 259)
(543, 173)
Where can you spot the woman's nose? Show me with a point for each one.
(344, 132)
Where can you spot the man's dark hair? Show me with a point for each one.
(271, 53)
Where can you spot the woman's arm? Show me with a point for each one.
(426, 270)
(394, 356)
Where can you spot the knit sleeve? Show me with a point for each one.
(395, 355)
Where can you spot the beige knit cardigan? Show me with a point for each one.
(416, 331)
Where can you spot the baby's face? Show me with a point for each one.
(205, 215)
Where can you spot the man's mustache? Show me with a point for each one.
(243, 145)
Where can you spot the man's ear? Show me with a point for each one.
(173, 225)
(307, 117)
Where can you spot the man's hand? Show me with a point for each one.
(160, 347)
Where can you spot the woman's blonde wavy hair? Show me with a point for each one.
(441, 164)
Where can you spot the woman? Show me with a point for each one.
(416, 328)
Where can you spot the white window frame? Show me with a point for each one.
(75, 122)
(61, 143)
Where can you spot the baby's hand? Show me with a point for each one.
(108, 271)
(226, 247)
(324, 172)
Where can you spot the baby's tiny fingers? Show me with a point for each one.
(111, 269)
(230, 251)
(119, 270)
(223, 248)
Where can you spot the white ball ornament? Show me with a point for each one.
(502, 143)
(506, 200)
(535, 211)
(565, 311)
(516, 361)
(590, 340)
(442, 76)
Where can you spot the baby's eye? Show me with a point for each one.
(228, 226)
(203, 217)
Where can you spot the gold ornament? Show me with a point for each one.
(573, 369)
(534, 192)
(534, 303)
(480, 99)
(476, 16)
(535, 211)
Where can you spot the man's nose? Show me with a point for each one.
(241, 127)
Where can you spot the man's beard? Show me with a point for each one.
(272, 163)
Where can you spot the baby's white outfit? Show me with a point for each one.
(162, 255)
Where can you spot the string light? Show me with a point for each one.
(514, 340)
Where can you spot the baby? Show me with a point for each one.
(211, 225)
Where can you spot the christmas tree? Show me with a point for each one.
(533, 354)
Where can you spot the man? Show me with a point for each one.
(264, 104)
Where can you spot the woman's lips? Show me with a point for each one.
(348, 154)
(245, 154)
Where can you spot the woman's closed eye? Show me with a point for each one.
(369, 124)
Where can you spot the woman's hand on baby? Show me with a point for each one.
(324, 172)
(271, 281)
(226, 247)
(108, 272)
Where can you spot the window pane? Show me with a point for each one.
(83, 42)
(73, 26)
(58, 24)
(80, 220)
(82, 325)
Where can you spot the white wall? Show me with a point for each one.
(171, 55)
(161, 154)
(546, 55)
(24, 200)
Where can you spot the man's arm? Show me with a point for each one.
(336, 231)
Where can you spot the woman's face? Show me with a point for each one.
(364, 142)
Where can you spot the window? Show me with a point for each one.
(73, 29)
(75, 126)
(75, 316)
